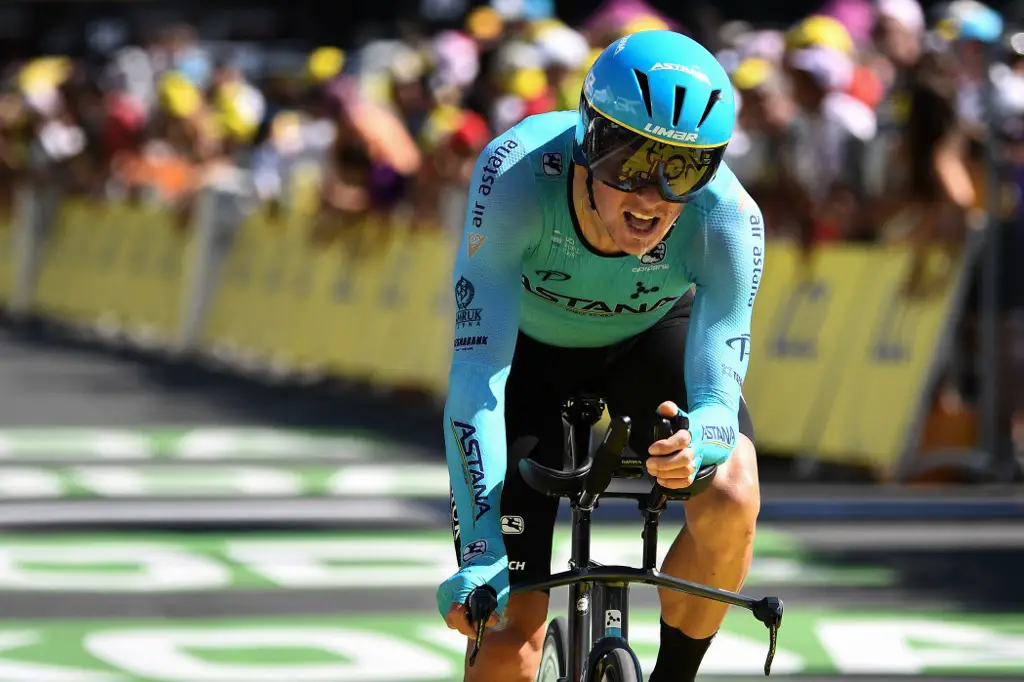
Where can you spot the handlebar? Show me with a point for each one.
(482, 602)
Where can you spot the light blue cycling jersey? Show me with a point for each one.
(523, 264)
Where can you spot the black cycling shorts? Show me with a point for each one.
(634, 376)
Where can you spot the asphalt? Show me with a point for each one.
(971, 561)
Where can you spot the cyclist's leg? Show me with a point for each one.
(717, 544)
(539, 379)
(714, 547)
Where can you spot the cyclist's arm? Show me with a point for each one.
(500, 219)
(727, 269)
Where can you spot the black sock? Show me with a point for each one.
(679, 656)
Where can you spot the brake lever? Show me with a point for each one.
(769, 611)
(482, 602)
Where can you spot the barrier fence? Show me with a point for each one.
(843, 358)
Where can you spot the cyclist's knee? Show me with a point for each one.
(513, 652)
(723, 517)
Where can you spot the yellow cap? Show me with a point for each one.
(236, 114)
(527, 83)
(441, 122)
(646, 22)
(178, 95)
(484, 23)
(948, 29)
(820, 31)
(44, 73)
(542, 26)
(751, 73)
(325, 63)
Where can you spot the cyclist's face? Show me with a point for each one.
(635, 221)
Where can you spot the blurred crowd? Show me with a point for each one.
(869, 120)
(846, 117)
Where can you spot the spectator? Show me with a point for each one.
(766, 116)
(822, 167)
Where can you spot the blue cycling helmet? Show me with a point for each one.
(656, 109)
(969, 20)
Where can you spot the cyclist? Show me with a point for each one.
(607, 250)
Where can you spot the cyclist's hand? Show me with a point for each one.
(457, 618)
(676, 462)
(489, 567)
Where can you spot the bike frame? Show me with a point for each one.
(603, 591)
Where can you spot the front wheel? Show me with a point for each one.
(554, 657)
(614, 664)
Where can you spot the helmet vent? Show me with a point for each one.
(716, 95)
(645, 90)
(680, 97)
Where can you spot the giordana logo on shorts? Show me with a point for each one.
(512, 525)
(551, 162)
(464, 294)
(473, 550)
(718, 435)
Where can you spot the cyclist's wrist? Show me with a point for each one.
(714, 432)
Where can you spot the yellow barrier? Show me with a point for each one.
(114, 262)
(372, 305)
(798, 336)
(884, 377)
(839, 356)
(7, 257)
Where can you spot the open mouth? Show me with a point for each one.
(640, 223)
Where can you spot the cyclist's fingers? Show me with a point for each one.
(676, 442)
(679, 464)
(457, 619)
(675, 483)
(668, 409)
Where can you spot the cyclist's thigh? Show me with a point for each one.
(533, 426)
(650, 370)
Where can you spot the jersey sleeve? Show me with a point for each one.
(727, 263)
(501, 216)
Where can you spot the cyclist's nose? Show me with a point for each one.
(650, 195)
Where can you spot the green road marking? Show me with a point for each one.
(191, 444)
(111, 563)
(417, 646)
(407, 480)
